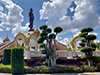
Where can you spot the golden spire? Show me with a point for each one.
(6, 39)
(37, 32)
(36, 27)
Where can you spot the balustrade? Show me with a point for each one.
(62, 53)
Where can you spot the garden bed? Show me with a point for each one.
(46, 70)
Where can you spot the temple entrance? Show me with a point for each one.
(74, 41)
(20, 39)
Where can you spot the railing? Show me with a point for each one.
(96, 53)
(63, 53)
(36, 54)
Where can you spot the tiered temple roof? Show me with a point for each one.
(6, 39)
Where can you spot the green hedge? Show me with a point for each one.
(6, 57)
(5, 68)
(46, 70)
(86, 68)
(57, 69)
(96, 59)
(17, 60)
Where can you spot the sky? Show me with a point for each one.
(71, 15)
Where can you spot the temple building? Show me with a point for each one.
(31, 47)
(29, 42)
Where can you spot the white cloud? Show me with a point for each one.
(1, 8)
(65, 41)
(80, 32)
(72, 9)
(97, 41)
(1, 40)
(19, 28)
(76, 34)
(58, 38)
(1, 29)
(94, 34)
(85, 15)
(13, 18)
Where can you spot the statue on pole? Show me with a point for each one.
(31, 19)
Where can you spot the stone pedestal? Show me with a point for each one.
(74, 54)
(27, 55)
(30, 32)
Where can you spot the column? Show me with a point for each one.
(27, 51)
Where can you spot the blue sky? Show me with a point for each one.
(71, 15)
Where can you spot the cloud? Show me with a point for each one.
(12, 17)
(58, 38)
(1, 8)
(76, 34)
(65, 41)
(86, 15)
(94, 34)
(97, 41)
(72, 9)
(1, 29)
(1, 40)
(21, 29)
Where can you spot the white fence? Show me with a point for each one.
(63, 53)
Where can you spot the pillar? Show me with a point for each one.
(27, 51)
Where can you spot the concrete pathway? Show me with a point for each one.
(87, 73)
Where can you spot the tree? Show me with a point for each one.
(49, 48)
(87, 46)
(98, 45)
(17, 60)
(6, 57)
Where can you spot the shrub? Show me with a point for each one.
(86, 68)
(96, 59)
(5, 68)
(57, 69)
(29, 70)
(6, 57)
(86, 57)
(17, 60)
(98, 68)
(45, 63)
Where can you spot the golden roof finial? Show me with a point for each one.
(6, 39)
(37, 32)
(7, 36)
(37, 28)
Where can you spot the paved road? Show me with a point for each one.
(88, 73)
